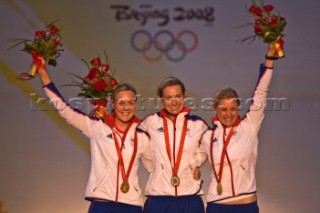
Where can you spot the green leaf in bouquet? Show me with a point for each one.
(106, 56)
(82, 94)
(77, 76)
(271, 37)
(68, 85)
(20, 41)
(261, 33)
(88, 66)
(93, 93)
(252, 38)
(28, 47)
(281, 25)
(52, 62)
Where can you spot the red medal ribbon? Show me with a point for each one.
(224, 154)
(167, 140)
(124, 174)
(24, 76)
(36, 59)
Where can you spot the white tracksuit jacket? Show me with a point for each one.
(103, 179)
(193, 153)
(242, 148)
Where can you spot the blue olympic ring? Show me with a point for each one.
(163, 49)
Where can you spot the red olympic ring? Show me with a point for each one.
(190, 49)
(154, 41)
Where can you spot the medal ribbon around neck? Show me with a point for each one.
(125, 176)
(167, 140)
(224, 153)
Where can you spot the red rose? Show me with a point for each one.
(56, 42)
(273, 22)
(257, 28)
(114, 82)
(38, 34)
(92, 74)
(105, 67)
(268, 8)
(252, 9)
(46, 33)
(54, 29)
(95, 62)
(258, 11)
(100, 85)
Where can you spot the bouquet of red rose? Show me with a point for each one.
(97, 85)
(267, 25)
(46, 44)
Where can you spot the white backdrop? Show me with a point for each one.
(44, 163)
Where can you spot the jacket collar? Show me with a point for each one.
(236, 123)
(109, 120)
(164, 112)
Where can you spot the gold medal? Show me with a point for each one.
(219, 188)
(125, 187)
(175, 181)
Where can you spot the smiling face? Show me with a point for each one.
(173, 100)
(227, 111)
(124, 105)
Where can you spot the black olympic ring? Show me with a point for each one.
(154, 41)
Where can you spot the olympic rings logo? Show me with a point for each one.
(165, 42)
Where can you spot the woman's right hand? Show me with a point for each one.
(42, 71)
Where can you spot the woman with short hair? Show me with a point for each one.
(232, 146)
(116, 147)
